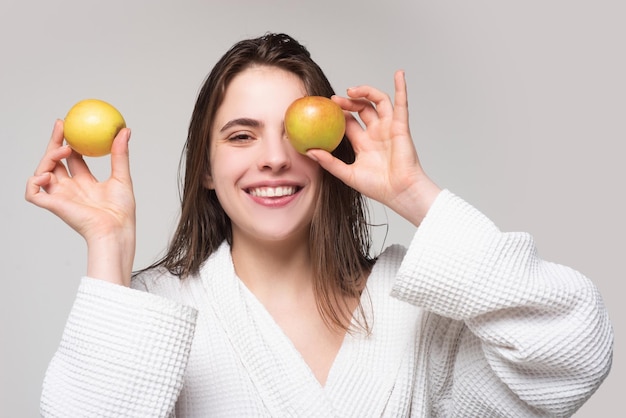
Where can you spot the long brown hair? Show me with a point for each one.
(340, 240)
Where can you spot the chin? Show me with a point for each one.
(291, 236)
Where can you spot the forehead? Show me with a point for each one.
(265, 74)
(260, 89)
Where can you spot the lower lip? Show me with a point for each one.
(275, 202)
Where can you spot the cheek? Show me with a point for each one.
(315, 174)
(226, 169)
(313, 170)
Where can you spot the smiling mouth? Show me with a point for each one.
(273, 191)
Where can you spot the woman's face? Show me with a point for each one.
(264, 185)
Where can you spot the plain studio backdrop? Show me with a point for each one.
(517, 106)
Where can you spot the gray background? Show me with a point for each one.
(517, 106)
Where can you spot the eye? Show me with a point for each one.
(240, 137)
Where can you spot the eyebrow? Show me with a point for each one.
(253, 123)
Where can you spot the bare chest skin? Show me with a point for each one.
(302, 323)
(291, 301)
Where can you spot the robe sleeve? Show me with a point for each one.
(123, 353)
(511, 334)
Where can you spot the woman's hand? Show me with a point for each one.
(387, 168)
(102, 212)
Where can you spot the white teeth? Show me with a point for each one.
(273, 191)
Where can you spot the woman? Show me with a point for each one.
(268, 302)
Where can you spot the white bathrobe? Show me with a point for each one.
(467, 322)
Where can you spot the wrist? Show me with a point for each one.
(415, 201)
(111, 258)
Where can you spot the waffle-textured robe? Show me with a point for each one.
(466, 322)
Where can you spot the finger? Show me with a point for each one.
(401, 103)
(381, 100)
(120, 164)
(366, 109)
(354, 130)
(56, 139)
(36, 193)
(77, 166)
(352, 105)
(34, 185)
(55, 151)
(51, 163)
(330, 163)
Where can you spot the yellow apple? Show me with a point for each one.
(314, 122)
(91, 125)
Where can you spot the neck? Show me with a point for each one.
(274, 269)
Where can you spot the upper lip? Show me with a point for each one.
(273, 183)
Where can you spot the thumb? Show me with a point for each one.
(330, 163)
(120, 165)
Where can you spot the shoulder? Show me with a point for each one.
(158, 280)
(386, 268)
(146, 279)
(391, 258)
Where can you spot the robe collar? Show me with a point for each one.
(366, 367)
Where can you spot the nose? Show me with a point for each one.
(275, 153)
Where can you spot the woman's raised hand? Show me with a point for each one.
(387, 167)
(102, 212)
